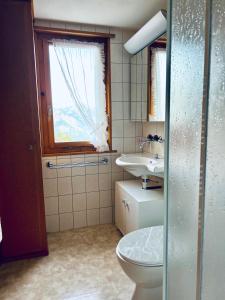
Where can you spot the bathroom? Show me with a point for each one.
(119, 198)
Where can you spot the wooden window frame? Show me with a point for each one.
(160, 43)
(43, 37)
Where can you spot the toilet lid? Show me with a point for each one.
(143, 246)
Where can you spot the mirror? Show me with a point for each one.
(148, 83)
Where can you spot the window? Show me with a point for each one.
(74, 88)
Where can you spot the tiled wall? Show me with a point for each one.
(80, 197)
(84, 196)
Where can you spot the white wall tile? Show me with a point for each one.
(105, 198)
(138, 129)
(113, 197)
(126, 57)
(129, 145)
(73, 26)
(117, 91)
(126, 72)
(80, 219)
(117, 144)
(117, 128)
(64, 186)
(116, 53)
(103, 29)
(129, 128)
(139, 86)
(50, 187)
(87, 27)
(126, 91)
(133, 60)
(92, 183)
(51, 205)
(65, 203)
(126, 110)
(116, 72)
(52, 223)
(78, 184)
(104, 181)
(92, 200)
(65, 221)
(92, 217)
(105, 215)
(44, 23)
(133, 97)
(133, 73)
(79, 202)
(117, 110)
(57, 24)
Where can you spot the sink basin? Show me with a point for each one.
(141, 164)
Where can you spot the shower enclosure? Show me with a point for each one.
(195, 179)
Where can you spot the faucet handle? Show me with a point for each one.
(155, 138)
(150, 137)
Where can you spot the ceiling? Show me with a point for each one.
(119, 13)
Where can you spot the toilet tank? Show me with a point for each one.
(137, 208)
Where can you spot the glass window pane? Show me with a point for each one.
(68, 126)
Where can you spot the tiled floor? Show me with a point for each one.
(82, 265)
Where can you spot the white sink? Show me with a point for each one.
(141, 164)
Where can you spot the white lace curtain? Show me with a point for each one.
(158, 77)
(82, 66)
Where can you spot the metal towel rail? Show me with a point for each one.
(103, 161)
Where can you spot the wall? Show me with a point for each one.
(81, 197)
(84, 196)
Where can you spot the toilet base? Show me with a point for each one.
(141, 293)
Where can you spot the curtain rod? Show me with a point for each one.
(72, 32)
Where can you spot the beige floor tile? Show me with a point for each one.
(82, 265)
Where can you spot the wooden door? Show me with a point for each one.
(22, 205)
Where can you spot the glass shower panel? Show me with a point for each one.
(186, 92)
(213, 286)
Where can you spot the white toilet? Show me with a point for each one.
(140, 254)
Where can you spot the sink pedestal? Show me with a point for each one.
(150, 184)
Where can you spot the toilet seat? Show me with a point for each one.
(143, 247)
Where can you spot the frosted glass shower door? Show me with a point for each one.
(195, 188)
(213, 264)
(186, 93)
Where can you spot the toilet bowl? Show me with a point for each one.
(140, 254)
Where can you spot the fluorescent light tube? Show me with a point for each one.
(151, 31)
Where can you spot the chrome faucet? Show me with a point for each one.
(142, 143)
(150, 138)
